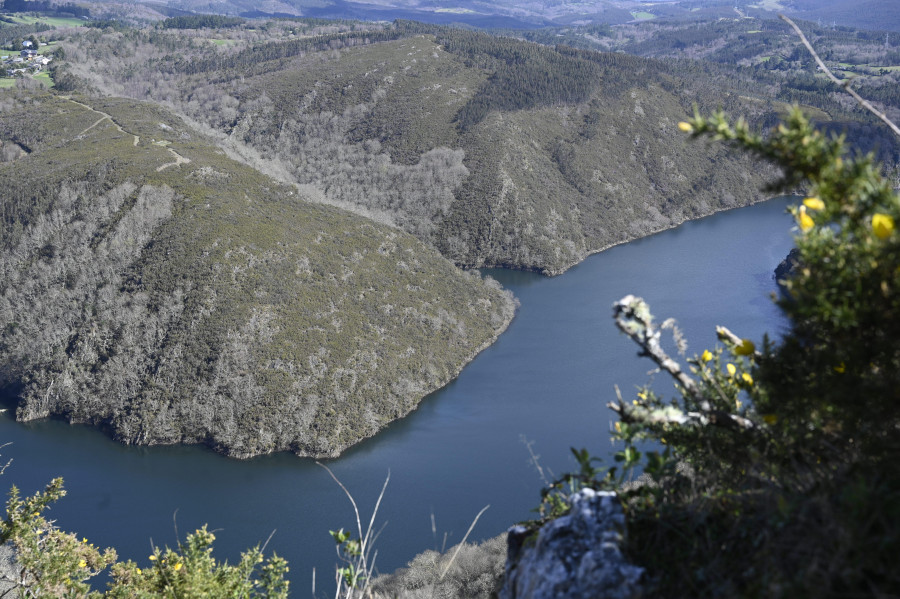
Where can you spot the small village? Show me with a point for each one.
(27, 62)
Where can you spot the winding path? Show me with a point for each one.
(101, 119)
(179, 159)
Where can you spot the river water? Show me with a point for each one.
(545, 383)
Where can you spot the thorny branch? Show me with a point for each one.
(632, 315)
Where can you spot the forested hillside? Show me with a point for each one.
(493, 150)
(193, 277)
(761, 57)
(153, 286)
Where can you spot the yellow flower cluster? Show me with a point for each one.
(746, 348)
(814, 204)
(882, 225)
(805, 221)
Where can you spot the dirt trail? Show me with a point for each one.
(101, 119)
(179, 160)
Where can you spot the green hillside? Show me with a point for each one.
(493, 150)
(153, 286)
(272, 269)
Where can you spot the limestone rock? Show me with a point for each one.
(575, 556)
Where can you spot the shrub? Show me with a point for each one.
(774, 471)
(52, 563)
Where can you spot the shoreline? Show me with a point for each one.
(589, 253)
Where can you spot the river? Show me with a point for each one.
(546, 381)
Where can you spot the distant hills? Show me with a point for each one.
(866, 14)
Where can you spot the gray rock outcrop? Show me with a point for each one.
(575, 556)
(9, 572)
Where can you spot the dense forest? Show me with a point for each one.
(764, 54)
(157, 288)
(403, 123)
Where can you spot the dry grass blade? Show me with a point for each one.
(361, 564)
(458, 547)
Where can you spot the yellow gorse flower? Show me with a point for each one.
(152, 558)
(706, 356)
(731, 369)
(747, 378)
(882, 225)
(814, 204)
(746, 348)
(805, 221)
(82, 564)
(178, 566)
(686, 127)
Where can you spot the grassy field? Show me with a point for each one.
(642, 15)
(54, 21)
(44, 77)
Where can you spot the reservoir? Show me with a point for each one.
(543, 385)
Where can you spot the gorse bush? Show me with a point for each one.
(774, 471)
(52, 563)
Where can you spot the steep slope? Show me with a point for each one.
(558, 154)
(153, 286)
(493, 150)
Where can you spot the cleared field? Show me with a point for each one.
(54, 21)
(44, 77)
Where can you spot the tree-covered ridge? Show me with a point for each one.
(484, 147)
(762, 54)
(200, 22)
(165, 292)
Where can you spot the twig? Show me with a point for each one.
(632, 315)
(673, 415)
(458, 547)
(725, 333)
(633, 318)
(845, 83)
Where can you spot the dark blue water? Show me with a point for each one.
(547, 380)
